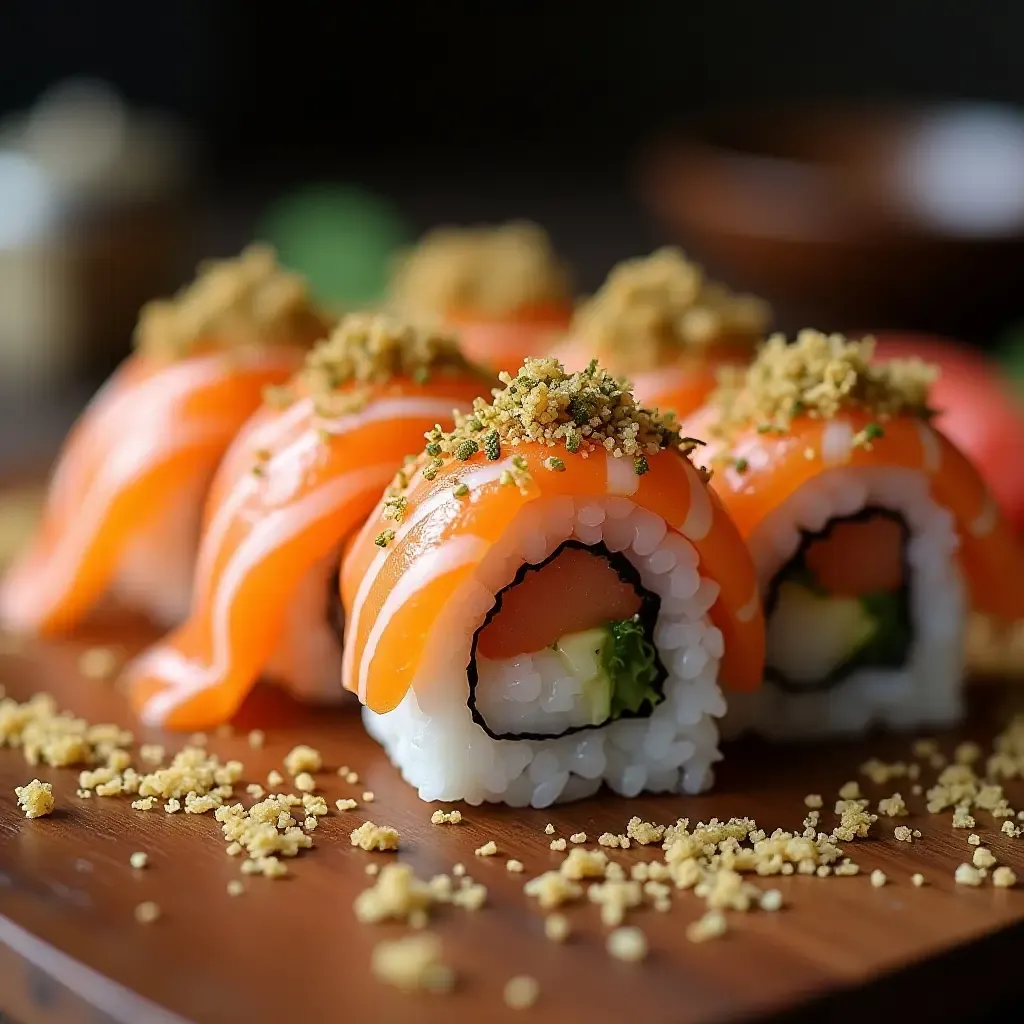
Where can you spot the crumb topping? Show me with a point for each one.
(653, 308)
(494, 271)
(375, 837)
(35, 799)
(412, 963)
(248, 300)
(819, 375)
(521, 992)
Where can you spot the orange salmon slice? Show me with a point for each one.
(859, 557)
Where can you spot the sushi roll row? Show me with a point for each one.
(535, 584)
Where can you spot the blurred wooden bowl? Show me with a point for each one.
(911, 217)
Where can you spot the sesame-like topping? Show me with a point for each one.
(820, 375)
(367, 349)
(250, 299)
(652, 309)
(489, 270)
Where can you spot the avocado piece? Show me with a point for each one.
(583, 656)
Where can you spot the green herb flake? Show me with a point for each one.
(631, 663)
(395, 507)
(474, 424)
(384, 538)
(519, 462)
(555, 464)
(506, 479)
(741, 465)
(573, 442)
(466, 449)
(421, 375)
(873, 431)
(641, 465)
(431, 468)
(492, 446)
(461, 491)
(433, 448)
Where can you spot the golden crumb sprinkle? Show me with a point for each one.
(375, 837)
(304, 782)
(878, 879)
(235, 887)
(151, 754)
(983, 858)
(644, 832)
(458, 870)
(893, 806)
(98, 663)
(146, 803)
(346, 804)
(315, 805)
(654, 309)
(489, 849)
(711, 926)
(274, 778)
(440, 817)
(584, 864)
(578, 837)
(974, 839)
(412, 963)
(962, 819)
(813, 800)
(35, 799)
(515, 866)
(849, 790)
(902, 834)
(247, 300)
(371, 869)
(302, 759)
(549, 829)
(1004, 877)
(609, 839)
(967, 874)
(147, 912)
(368, 796)
(771, 900)
(352, 778)
(552, 889)
(521, 992)
(310, 823)
(628, 944)
(557, 927)
(918, 880)
(615, 897)
(254, 789)
(820, 375)
(256, 738)
(139, 860)
(395, 894)
(558, 845)
(488, 271)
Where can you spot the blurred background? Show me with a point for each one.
(861, 168)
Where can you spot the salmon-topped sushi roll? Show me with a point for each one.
(299, 480)
(503, 288)
(872, 536)
(658, 321)
(125, 500)
(552, 598)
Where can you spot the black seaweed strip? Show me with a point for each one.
(851, 664)
(650, 606)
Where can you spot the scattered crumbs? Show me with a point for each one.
(878, 879)
(1008, 828)
(315, 805)
(344, 770)
(556, 927)
(233, 849)
(235, 887)
(371, 869)
(918, 880)
(310, 823)
(139, 860)
(983, 858)
(304, 782)
(549, 829)
(917, 789)
(521, 992)
(257, 737)
(903, 834)
(1004, 878)
(198, 739)
(771, 900)
(147, 912)
(151, 754)
(967, 874)
(489, 849)
(974, 840)
(711, 926)
(146, 803)
(35, 799)
(368, 796)
(578, 837)
(967, 753)
(849, 791)
(644, 832)
(346, 804)
(254, 789)
(224, 731)
(375, 837)
(552, 889)
(893, 806)
(558, 845)
(274, 778)
(302, 759)
(412, 963)
(440, 817)
(515, 866)
(458, 870)
(628, 944)
(584, 864)
(97, 663)
(813, 800)
(352, 778)
(961, 819)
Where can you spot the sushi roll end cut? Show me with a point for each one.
(124, 503)
(552, 599)
(873, 537)
(504, 289)
(660, 322)
(296, 484)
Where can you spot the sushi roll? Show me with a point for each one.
(503, 288)
(299, 480)
(559, 603)
(123, 509)
(872, 534)
(658, 321)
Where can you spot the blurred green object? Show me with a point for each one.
(1010, 353)
(342, 237)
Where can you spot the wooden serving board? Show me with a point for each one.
(291, 949)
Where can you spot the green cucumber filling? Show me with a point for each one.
(841, 604)
(617, 666)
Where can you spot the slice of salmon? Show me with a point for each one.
(157, 429)
(859, 557)
(292, 489)
(504, 344)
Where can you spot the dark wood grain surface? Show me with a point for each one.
(291, 949)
